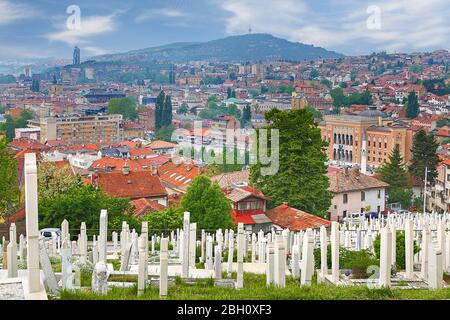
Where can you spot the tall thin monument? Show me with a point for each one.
(364, 153)
(76, 56)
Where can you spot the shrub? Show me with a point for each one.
(400, 249)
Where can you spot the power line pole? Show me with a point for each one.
(425, 191)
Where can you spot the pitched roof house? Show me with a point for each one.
(354, 192)
(131, 184)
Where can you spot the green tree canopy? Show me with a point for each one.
(412, 105)
(164, 220)
(424, 155)
(301, 179)
(246, 115)
(183, 109)
(84, 204)
(9, 191)
(124, 106)
(208, 205)
(165, 133)
(394, 172)
(53, 180)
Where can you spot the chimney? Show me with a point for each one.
(346, 171)
(154, 169)
(126, 170)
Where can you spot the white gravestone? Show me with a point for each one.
(163, 268)
(100, 278)
(186, 237)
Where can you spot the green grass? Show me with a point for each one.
(115, 263)
(255, 289)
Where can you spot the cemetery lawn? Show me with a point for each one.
(255, 289)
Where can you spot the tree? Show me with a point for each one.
(246, 115)
(83, 204)
(424, 156)
(400, 249)
(183, 109)
(208, 205)
(167, 111)
(9, 191)
(10, 124)
(412, 105)
(165, 133)
(301, 178)
(124, 106)
(53, 180)
(394, 173)
(164, 220)
(160, 101)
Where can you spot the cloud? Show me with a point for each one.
(158, 13)
(11, 12)
(95, 51)
(405, 25)
(90, 26)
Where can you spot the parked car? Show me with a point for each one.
(48, 233)
(354, 216)
(371, 215)
(402, 212)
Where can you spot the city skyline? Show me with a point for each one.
(38, 29)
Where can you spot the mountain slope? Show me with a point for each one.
(250, 47)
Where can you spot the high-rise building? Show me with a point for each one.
(76, 56)
(79, 129)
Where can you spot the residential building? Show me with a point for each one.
(249, 207)
(354, 192)
(147, 119)
(78, 129)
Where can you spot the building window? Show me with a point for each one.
(344, 213)
(379, 194)
(345, 196)
(378, 208)
(363, 196)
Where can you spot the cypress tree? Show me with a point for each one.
(424, 155)
(160, 100)
(412, 105)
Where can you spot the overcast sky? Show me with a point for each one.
(38, 28)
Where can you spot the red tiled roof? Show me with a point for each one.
(24, 143)
(294, 219)
(159, 144)
(243, 218)
(350, 180)
(179, 176)
(140, 152)
(443, 132)
(114, 164)
(19, 215)
(144, 206)
(135, 185)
